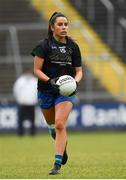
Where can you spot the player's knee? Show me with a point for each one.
(59, 125)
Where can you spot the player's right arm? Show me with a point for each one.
(38, 64)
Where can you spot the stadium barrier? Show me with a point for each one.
(93, 116)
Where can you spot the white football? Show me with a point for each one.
(67, 85)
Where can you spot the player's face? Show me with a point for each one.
(60, 27)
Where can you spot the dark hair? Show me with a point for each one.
(52, 21)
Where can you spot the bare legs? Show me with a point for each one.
(58, 115)
(62, 111)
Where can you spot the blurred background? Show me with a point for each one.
(99, 28)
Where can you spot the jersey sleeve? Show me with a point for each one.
(76, 56)
(40, 50)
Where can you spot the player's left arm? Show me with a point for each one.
(78, 74)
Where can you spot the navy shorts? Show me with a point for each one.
(46, 101)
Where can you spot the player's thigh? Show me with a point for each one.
(62, 111)
(49, 115)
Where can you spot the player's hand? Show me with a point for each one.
(52, 83)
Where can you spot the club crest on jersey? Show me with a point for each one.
(62, 49)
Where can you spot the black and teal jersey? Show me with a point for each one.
(59, 58)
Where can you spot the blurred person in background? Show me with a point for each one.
(55, 56)
(25, 94)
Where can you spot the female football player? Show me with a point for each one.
(55, 56)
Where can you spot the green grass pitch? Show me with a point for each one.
(95, 155)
